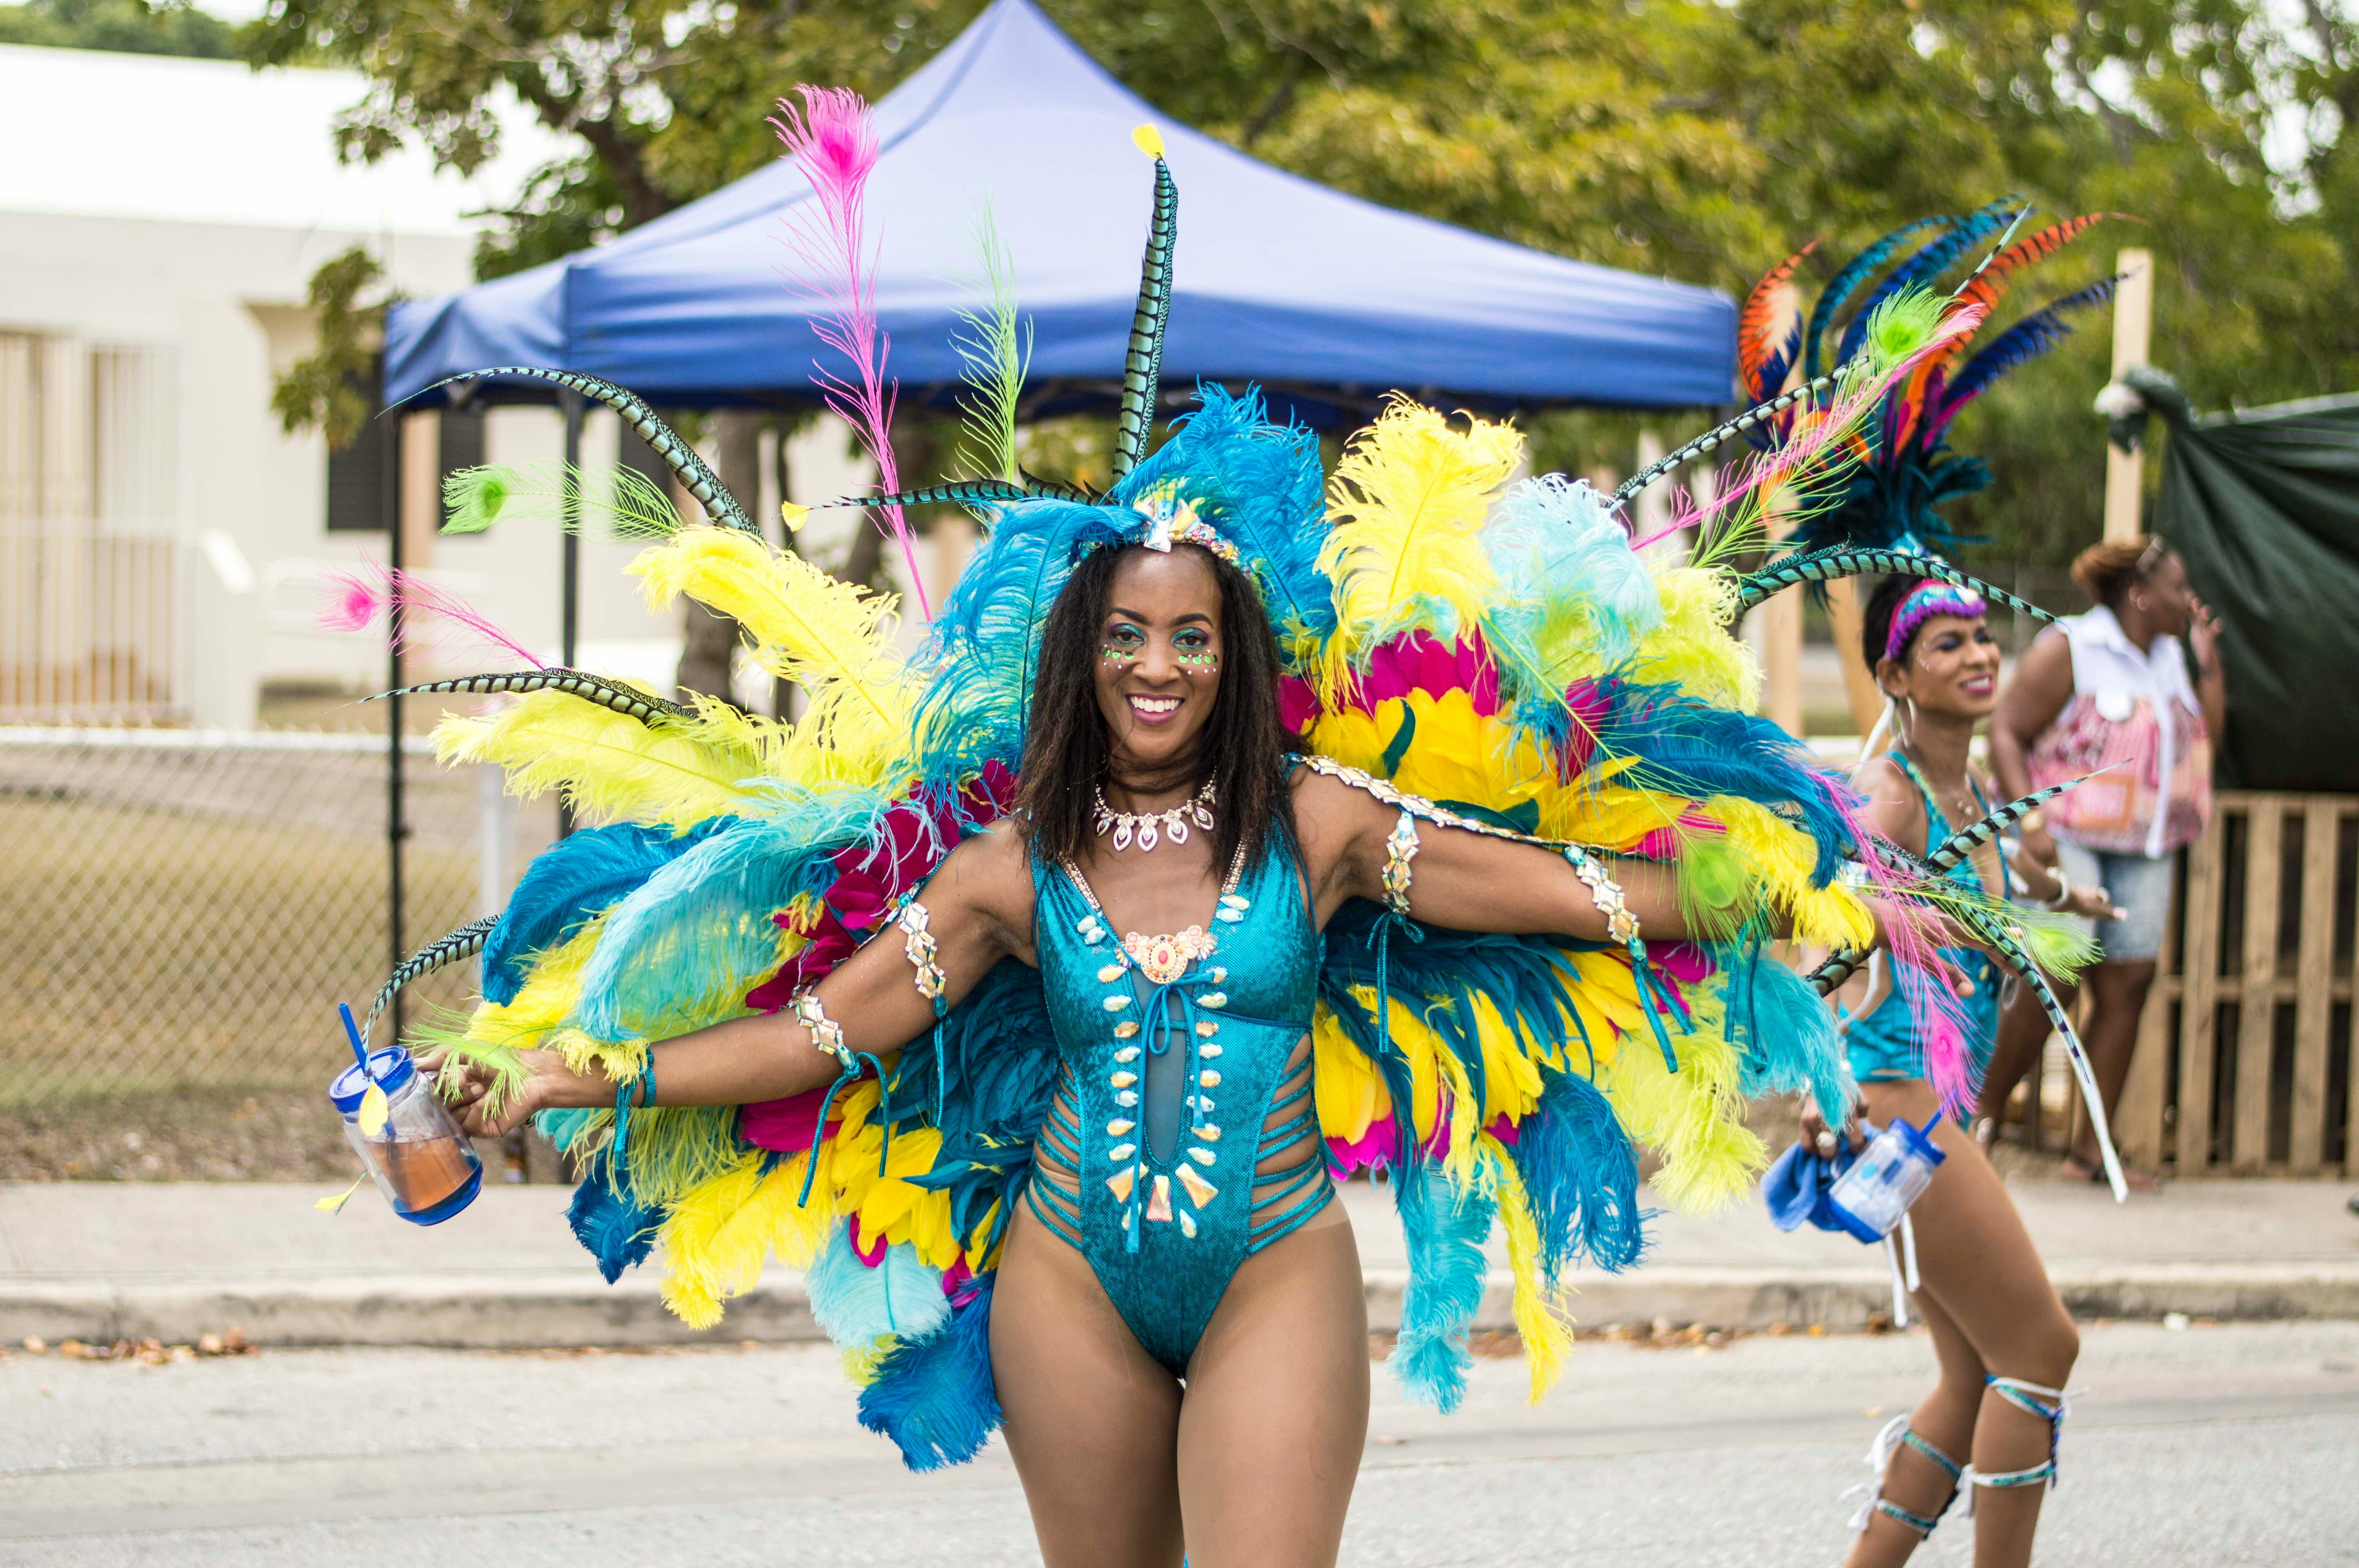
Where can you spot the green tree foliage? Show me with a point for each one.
(123, 26)
(1694, 139)
(330, 390)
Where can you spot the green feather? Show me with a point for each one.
(632, 505)
(995, 363)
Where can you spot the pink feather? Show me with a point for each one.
(832, 139)
(432, 617)
(1934, 1015)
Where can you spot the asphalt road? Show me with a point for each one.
(2231, 1445)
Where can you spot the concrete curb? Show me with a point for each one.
(555, 1309)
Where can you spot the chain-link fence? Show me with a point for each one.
(180, 909)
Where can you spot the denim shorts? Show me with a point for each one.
(2141, 889)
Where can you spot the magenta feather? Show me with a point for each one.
(832, 139)
(432, 617)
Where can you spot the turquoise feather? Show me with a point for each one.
(699, 930)
(1445, 1229)
(933, 1395)
(858, 1305)
(1558, 553)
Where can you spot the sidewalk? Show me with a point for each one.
(105, 1261)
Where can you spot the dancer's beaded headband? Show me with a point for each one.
(1924, 602)
(1165, 522)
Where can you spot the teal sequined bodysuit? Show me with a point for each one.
(1186, 1069)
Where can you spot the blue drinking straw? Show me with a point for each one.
(353, 1033)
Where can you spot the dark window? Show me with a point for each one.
(462, 440)
(356, 477)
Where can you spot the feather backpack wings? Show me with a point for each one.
(1484, 653)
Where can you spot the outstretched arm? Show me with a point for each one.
(978, 907)
(1472, 883)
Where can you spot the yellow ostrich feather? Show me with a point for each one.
(1511, 1075)
(1407, 504)
(1347, 1089)
(1693, 1118)
(1782, 856)
(605, 762)
(833, 638)
(1547, 1339)
(884, 1202)
(1693, 648)
(716, 1239)
(981, 1254)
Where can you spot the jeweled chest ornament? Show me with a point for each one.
(1152, 827)
(1163, 958)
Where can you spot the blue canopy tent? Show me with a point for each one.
(1326, 300)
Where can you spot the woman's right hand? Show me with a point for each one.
(1825, 1140)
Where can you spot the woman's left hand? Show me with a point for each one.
(2090, 903)
(2202, 635)
(548, 1084)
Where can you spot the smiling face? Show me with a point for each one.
(1159, 665)
(1950, 667)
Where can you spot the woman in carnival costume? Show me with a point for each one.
(2005, 1342)
(1029, 993)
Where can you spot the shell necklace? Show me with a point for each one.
(1152, 827)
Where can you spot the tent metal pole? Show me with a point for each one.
(570, 569)
(395, 829)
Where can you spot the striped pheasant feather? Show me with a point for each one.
(1843, 560)
(464, 943)
(609, 694)
(1142, 366)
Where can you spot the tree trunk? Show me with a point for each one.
(711, 638)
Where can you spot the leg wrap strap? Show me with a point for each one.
(2050, 1405)
(1879, 1457)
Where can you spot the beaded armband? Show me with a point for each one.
(1620, 924)
(1400, 848)
(919, 943)
(826, 1032)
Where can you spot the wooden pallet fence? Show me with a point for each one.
(2244, 1063)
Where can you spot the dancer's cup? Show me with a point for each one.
(420, 1161)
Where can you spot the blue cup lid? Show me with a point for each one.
(391, 1068)
(1920, 1138)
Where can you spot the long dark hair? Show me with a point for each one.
(1241, 747)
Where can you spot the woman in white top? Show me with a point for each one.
(2111, 689)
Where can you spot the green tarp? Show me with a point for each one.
(2264, 504)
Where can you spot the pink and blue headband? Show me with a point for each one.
(1922, 603)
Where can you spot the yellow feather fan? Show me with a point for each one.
(1407, 502)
